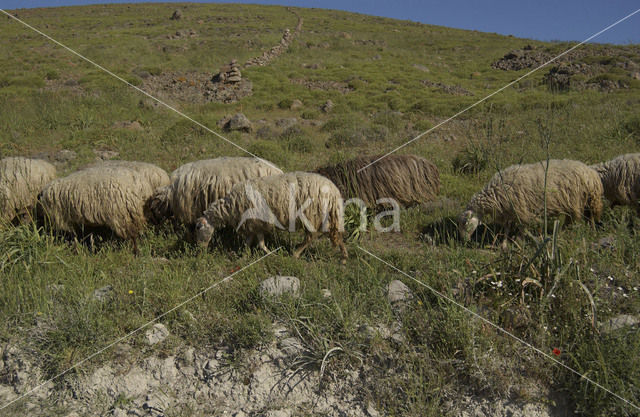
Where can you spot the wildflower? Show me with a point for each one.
(130, 292)
(556, 351)
(235, 269)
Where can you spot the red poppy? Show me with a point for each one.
(556, 351)
(235, 269)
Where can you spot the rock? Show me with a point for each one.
(238, 122)
(279, 285)
(372, 411)
(177, 15)
(376, 57)
(286, 123)
(105, 155)
(103, 294)
(326, 293)
(63, 156)
(156, 334)
(296, 104)
(279, 413)
(327, 106)
(291, 346)
(128, 125)
(607, 242)
(635, 75)
(399, 295)
(618, 322)
(421, 67)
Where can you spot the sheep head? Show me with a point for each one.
(467, 224)
(204, 232)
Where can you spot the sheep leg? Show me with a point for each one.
(261, 244)
(308, 238)
(136, 251)
(337, 240)
(249, 240)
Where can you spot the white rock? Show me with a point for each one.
(399, 295)
(279, 285)
(156, 334)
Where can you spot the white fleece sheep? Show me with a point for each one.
(515, 195)
(197, 184)
(286, 201)
(104, 195)
(21, 179)
(621, 180)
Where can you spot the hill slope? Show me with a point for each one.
(387, 81)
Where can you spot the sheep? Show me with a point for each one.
(154, 175)
(21, 179)
(258, 206)
(157, 206)
(408, 179)
(621, 180)
(111, 195)
(197, 184)
(515, 195)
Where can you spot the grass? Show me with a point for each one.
(47, 284)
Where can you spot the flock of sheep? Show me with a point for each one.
(208, 195)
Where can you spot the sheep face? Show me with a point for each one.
(467, 224)
(204, 232)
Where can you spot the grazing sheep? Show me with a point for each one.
(515, 195)
(109, 196)
(621, 180)
(408, 179)
(197, 184)
(258, 206)
(154, 175)
(21, 179)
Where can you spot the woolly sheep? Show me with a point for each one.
(258, 206)
(408, 179)
(21, 179)
(621, 180)
(515, 195)
(111, 195)
(197, 184)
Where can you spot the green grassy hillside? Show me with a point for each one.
(389, 80)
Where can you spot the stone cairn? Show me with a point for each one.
(229, 73)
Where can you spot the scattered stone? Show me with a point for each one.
(291, 346)
(607, 242)
(156, 334)
(105, 155)
(228, 73)
(177, 15)
(238, 122)
(63, 156)
(326, 293)
(103, 294)
(286, 123)
(455, 90)
(421, 67)
(127, 125)
(399, 295)
(618, 322)
(296, 104)
(327, 106)
(376, 57)
(372, 411)
(279, 285)
(635, 75)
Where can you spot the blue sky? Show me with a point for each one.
(544, 19)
